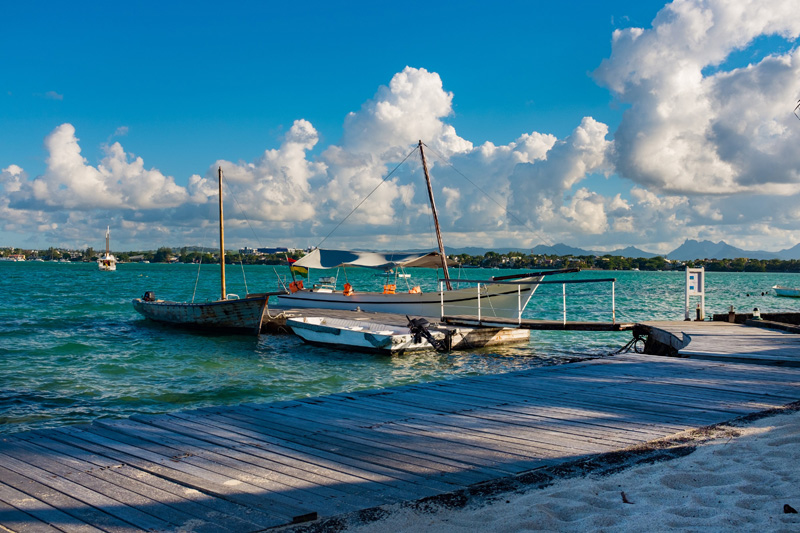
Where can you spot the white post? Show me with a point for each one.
(441, 298)
(564, 297)
(479, 302)
(519, 304)
(686, 297)
(613, 304)
(703, 302)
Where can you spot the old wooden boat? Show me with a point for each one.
(107, 262)
(235, 315)
(228, 314)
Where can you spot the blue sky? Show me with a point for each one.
(663, 133)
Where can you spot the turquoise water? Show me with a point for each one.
(72, 349)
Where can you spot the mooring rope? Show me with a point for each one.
(366, 197)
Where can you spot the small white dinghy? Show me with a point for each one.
(361, 335)
(786, 291)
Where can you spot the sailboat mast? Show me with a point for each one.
(435, 218)
(221, 238)
(108, 231)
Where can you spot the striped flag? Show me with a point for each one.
(300, 271)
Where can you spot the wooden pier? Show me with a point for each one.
(724, 341)
(563, 325)
(253, 467)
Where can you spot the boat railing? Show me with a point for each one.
(520, 283)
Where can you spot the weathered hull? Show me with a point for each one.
(495, 301)
(358, 335)
(243, 315)
(363, 336)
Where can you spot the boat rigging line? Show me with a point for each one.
(367, 196)
(487, 195)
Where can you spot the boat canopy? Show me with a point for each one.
(378, 260)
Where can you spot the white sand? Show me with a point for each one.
(737, 483)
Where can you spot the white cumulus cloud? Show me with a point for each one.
(117, 182)
(695, 126)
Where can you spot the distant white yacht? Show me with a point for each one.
(107, 261)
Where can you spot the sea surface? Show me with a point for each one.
(72, 349)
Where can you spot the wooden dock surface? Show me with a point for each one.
(724, 341)
(252, 467)
(525, 323)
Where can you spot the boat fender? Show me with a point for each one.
(389, 289)
(415, 290)
(149, 296)
(348, 289)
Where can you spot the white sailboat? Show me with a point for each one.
(107, 262)
(229, 313)
(489, 300)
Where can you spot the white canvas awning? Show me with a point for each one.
(378, 260)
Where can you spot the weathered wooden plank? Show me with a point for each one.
(300, 459)
(615, 427)
(302, 423)
(310, 413)
(28, 506)
(176, 471)
(250, 429)
(588, 393)
(544, 440)
(289, 428)
(389, 480)
(519, 414)
(102, 482)
(432, 399)
(463, 470)
(295, 502)
(721, 340)
(757, 381)
(557, 404)
(202, 506)
(353, 486)
(134, 516)
(12, 519)
(431, 447)
(257, 471)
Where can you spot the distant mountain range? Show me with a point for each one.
(563, 249)
(687, 251)
(721, 250)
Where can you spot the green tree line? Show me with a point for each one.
(518, 260)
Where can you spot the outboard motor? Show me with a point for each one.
(149, 296)
(418, 328)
